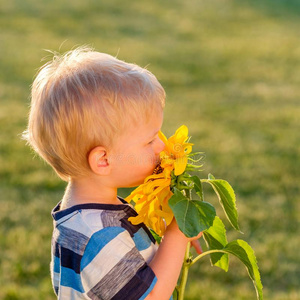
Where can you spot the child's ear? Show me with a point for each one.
(98, 161)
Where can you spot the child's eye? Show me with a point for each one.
(151, 142)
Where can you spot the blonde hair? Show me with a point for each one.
(84, 99)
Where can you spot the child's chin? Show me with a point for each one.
(139, 181)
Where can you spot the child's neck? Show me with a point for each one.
(81, 191)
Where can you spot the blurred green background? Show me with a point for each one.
(231, 73)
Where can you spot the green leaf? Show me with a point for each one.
(156, 236)
(245, 253)
(215, 238)
(226, 197)
(198, 186)
(192, 216)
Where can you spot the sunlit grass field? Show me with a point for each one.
(231, 72)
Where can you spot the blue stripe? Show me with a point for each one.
(70, 279)
(141, 240)
(97, 241)
(56, 264)
(149, 289)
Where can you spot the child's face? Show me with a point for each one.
(136, 153)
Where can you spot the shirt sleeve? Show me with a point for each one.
(113, 268)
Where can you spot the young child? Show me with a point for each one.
(95, 120)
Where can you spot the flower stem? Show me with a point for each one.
(186, 263)
(185, 270)
(205, 253)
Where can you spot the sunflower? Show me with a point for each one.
(176, 151)
(151, 198)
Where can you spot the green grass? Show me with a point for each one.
(231, 73)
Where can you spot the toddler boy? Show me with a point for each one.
(95, 120)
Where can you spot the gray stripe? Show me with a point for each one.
(118, 277)
(112, 218)
(70, 239)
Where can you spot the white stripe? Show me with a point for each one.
(149, 253)
(90, 218)
(106, 259)
(67, 293)
(55, 278)
(65, 218)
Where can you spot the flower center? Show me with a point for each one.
(158, 169)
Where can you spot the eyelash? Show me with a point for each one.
(151, 142)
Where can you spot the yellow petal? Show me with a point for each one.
(162, 137)
(167, 216)
(153, 177)
(167, 162)
(137, 191)
(180, 135)
(151, 186)
(141, 203)
(188, 148)
(182, 132)
(180, 165)
(136, 220)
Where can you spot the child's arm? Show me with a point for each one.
(167, 262)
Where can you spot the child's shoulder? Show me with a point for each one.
(90, 217)
(86, 220)
(80, 225)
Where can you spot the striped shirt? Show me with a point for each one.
(98, 254)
